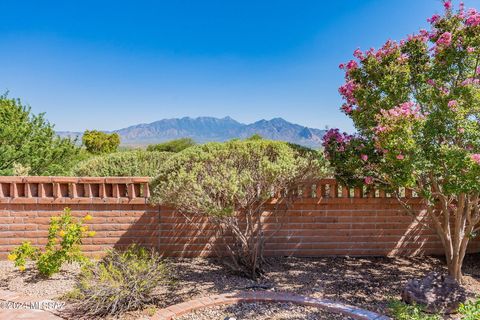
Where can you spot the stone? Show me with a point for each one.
(437, 292)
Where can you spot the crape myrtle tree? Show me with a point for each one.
(416, 107)
(29, 144)
(229, 184)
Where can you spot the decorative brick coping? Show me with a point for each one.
(135, 190)
(74, 190)
(265, 296)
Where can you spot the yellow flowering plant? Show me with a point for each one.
(65, 236)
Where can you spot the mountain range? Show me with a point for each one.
(206, 129)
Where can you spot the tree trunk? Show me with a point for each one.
(454, 222)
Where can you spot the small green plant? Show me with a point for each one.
(470, 310)
(122, 281)
(65, 236)
(403, 311)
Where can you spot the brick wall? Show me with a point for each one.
(324, 219)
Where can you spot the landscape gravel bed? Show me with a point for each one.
(365, 282)
(263, 311)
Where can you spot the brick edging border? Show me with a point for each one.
(265, 296)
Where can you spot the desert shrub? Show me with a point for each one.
(176, 145)
(403, 311)
(229, 184)
(123, 164)
(470, 310)
(65, 236)
(98, 142)
(122, 281)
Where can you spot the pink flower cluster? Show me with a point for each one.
(348, 90)
(335, 135)
(473, 18)
(452, 104)
(347, 108)
(470, 81)
(406, 109)
(444, 40)
(476, 158)
(434, 19)
(447, 4)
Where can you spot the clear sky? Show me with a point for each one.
(109, 64)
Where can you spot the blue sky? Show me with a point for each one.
(110, 64)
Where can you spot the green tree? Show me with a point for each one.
(28, 142)
(123, 164)
(416, 108)
(229, 184)
(176, 145)
(98, 142)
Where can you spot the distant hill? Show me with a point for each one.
(206, 129)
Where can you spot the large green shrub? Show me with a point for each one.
(229, 183)
(29, 144)
(176, 145)
(98, 142)
(122, 281)
(123, 164)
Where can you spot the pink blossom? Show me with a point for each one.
(348, 91)
(473, 18)
(352, 64)
(433, 19)
(364, 157)
(400, 157)
(476, 158)
(470, 49)
(347, 108)
(445, 39)
(405, 110)
(358, 54)
(403, 57)
(380, 129)
(447, 4)
(369, 180)
(341, 66)
(431, 82)
(461, 130)
(452, 104)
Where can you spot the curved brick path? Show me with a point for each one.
(13, 306)
(265, 296)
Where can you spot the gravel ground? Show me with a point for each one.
(262, 311)
(364, 282)
(30, 284)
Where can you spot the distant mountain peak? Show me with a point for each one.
(205, 129)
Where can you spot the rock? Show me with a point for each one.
(438, 293)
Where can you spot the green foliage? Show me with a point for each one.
(230, 181)
(470, 310)
(173, 145)
(122, 281)
(402, 311)
(97, 142)
(28, 142)
(123, 164)
(65, 236)
(255, 136)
